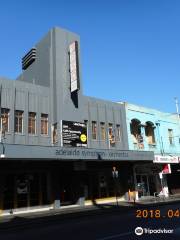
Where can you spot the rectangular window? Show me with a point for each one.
(94, 130)
(170, 135)
(103, 131)
(18, 121)
(5, 119)
(44, 124)
(111, 135)
(86, 123)
(118, 133)
(32, 123)
(54, 133)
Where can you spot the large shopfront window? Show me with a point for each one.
(22, 190)
(147, 179)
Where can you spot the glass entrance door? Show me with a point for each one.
(146, 184)
(22, 190)
(152, 184)
(142, 183)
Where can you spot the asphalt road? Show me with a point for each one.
(113, 224)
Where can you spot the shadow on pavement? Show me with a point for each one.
(29, 220)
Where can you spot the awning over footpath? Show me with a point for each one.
(15, 151)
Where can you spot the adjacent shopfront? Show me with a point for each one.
(146, 179)
(159, 177)
(169, 176)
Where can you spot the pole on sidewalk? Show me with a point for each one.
(115, 177)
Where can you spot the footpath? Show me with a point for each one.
(29, 219)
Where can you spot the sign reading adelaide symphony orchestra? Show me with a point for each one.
(74, 134)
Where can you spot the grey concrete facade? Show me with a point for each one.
(37, 171)
(44, 87)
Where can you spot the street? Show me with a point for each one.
(116, 223)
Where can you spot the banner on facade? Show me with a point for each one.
(74, 66)
(166, 159)
(74, 134)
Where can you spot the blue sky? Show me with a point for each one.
(130, 50)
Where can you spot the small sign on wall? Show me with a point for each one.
(166, 159)
(166, 169)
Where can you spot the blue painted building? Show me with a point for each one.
(151, 130)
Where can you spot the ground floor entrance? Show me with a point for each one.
(146, 184)
(149, 180)
(173, 179)
(26, 185)
(23, 190)
(76, 182)
(36, 184)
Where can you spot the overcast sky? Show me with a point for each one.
(130, 50)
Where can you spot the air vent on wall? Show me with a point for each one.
(29, 58)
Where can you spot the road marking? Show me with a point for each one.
(115, 236)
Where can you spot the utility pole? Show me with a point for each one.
(178, 117)
(177, 106)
